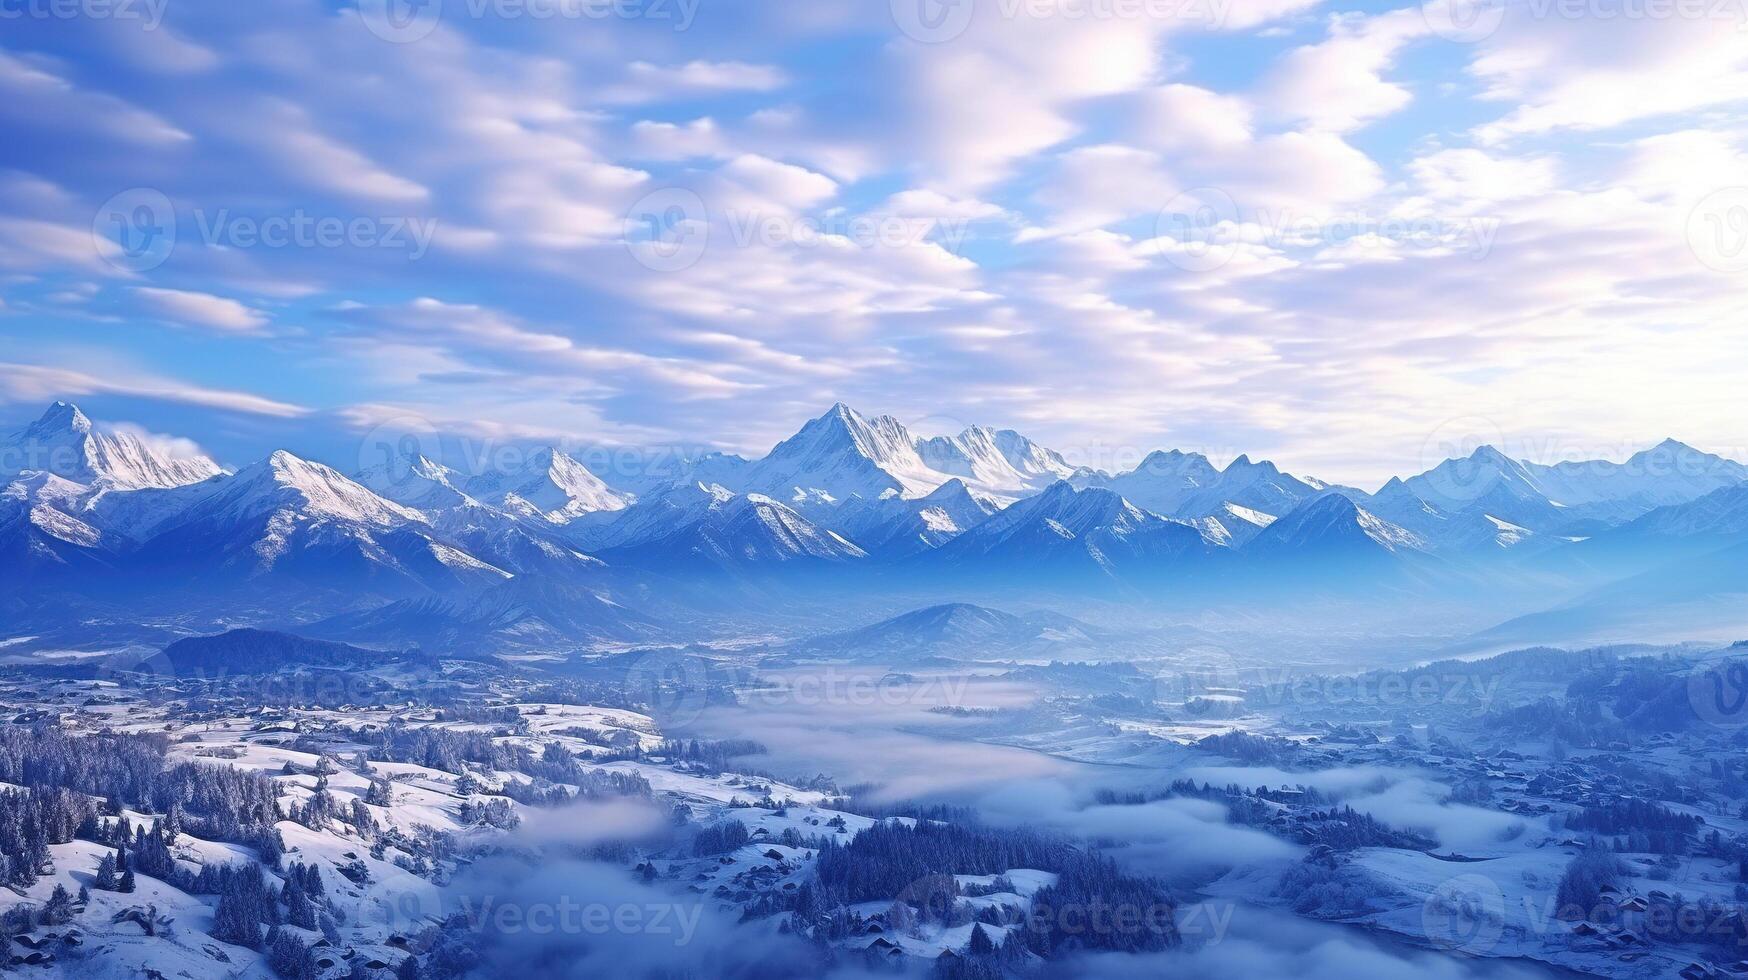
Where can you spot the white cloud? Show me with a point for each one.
(201, 309)
(1595, 73)
(33, 383)
(1338, 85)
(646, 82)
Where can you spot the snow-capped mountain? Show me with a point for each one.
(994, 460)
(1487, 482)
(548, 484)
(1064, 530)
(1256, 486)
(41, 539)
(738, 533)
(894, 526)
(1164, 481)
(1471, 531)
(287, 520)
(64, 442)
(1331, 528)
(527, 612)
(416, 480)
(653, 516)
(1236, 525)
(286, 484)
(1187, 485)
(117, 520)
(958, 630)
(1721, 514)
(519, 545)
(1668, 473)
(842, 454)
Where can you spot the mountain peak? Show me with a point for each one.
(547, 484)
(65, 442)
(63, 417)
(1670, 445)
(286, 481)
(1330, 524)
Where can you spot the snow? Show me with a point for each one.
(65, 442)
(548, 485)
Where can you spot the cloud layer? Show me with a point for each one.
(1280, 227)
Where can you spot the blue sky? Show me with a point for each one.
(1343, 236)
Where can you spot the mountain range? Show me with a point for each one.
(542, 551)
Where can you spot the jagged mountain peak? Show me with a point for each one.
(548, 484)
(64, 441)
(844, 453)
(1332, 524)
(285, 481)
(62, 416)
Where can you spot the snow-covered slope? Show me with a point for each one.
(843, 453)
(894, 526)
(289, 519)
(1069, 531)
(739, 533)
(548, 484)
(1488, 482)
(416, 481)
(1165, 480)
(1331, 528)
(1187, 485)
(1721, 514)
(994, 460)
(64, 442)
(41, 539)
(652, 516)
(1668, 473)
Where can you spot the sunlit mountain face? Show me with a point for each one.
(944, 489)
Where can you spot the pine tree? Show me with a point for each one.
(286, 954)
(980, 944)
(105, 880)
(126, 887)
(59, 907)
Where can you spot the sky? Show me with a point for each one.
(1349, 237)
